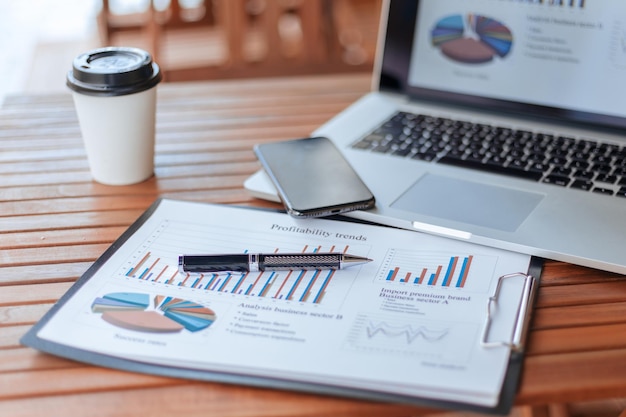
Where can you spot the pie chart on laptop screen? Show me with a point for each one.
(471, 38)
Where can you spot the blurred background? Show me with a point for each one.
(190, 39)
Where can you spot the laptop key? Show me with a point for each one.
(602, 168)
(609, 179)
(425, 156)
(562, 171)
(584, 175)
(602, 190)
(557, 180)
(499, 169)
(538, 167)
(362, 145)
(402, 151)
(382, 148)
(582, 185)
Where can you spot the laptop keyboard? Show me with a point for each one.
(563, 161)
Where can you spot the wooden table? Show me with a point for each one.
(54, 221)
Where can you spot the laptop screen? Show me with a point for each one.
(553, 58)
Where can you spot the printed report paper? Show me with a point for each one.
(410, 323)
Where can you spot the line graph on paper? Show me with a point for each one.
(404, 332)
(427, 339)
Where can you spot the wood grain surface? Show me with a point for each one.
(55, 221)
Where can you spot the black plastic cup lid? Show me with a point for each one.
(113, 71)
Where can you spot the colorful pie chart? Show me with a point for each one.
(471, 39)
(161, 314)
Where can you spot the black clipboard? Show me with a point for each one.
(503, 407)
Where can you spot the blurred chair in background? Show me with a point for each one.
(210, 39)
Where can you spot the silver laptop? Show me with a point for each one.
(500, 122)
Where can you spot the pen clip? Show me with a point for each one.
(522, 318)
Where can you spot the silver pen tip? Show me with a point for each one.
(355, 259)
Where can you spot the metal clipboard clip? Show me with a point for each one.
(522, 318)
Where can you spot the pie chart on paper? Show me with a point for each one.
(471, 38)
(160, 314)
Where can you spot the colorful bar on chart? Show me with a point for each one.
(235, 290)
(280, 289)
(267, 285)
(256, 281)
(217, 282)
(422, 276)
(320, 294)
(298, 285)
(392, 274)
(307, 290)
(453, 273)
(226, 281)
(211, 280)
(158, 277)
(435, 276)
(467, 262)
(132, 272)
(451, 267)
(295, 285)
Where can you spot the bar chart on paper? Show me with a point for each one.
(298, 285)
(156, 262)
(437, 269)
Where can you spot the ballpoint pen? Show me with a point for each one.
(267, 262)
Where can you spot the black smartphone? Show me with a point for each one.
(313, 178)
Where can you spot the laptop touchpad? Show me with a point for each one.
(468, 202)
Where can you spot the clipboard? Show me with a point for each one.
(524, 313)
(515, 344)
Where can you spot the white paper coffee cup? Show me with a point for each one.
(114, 92)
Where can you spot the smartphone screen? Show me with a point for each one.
(313, 178)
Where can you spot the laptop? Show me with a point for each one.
(499, 122)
